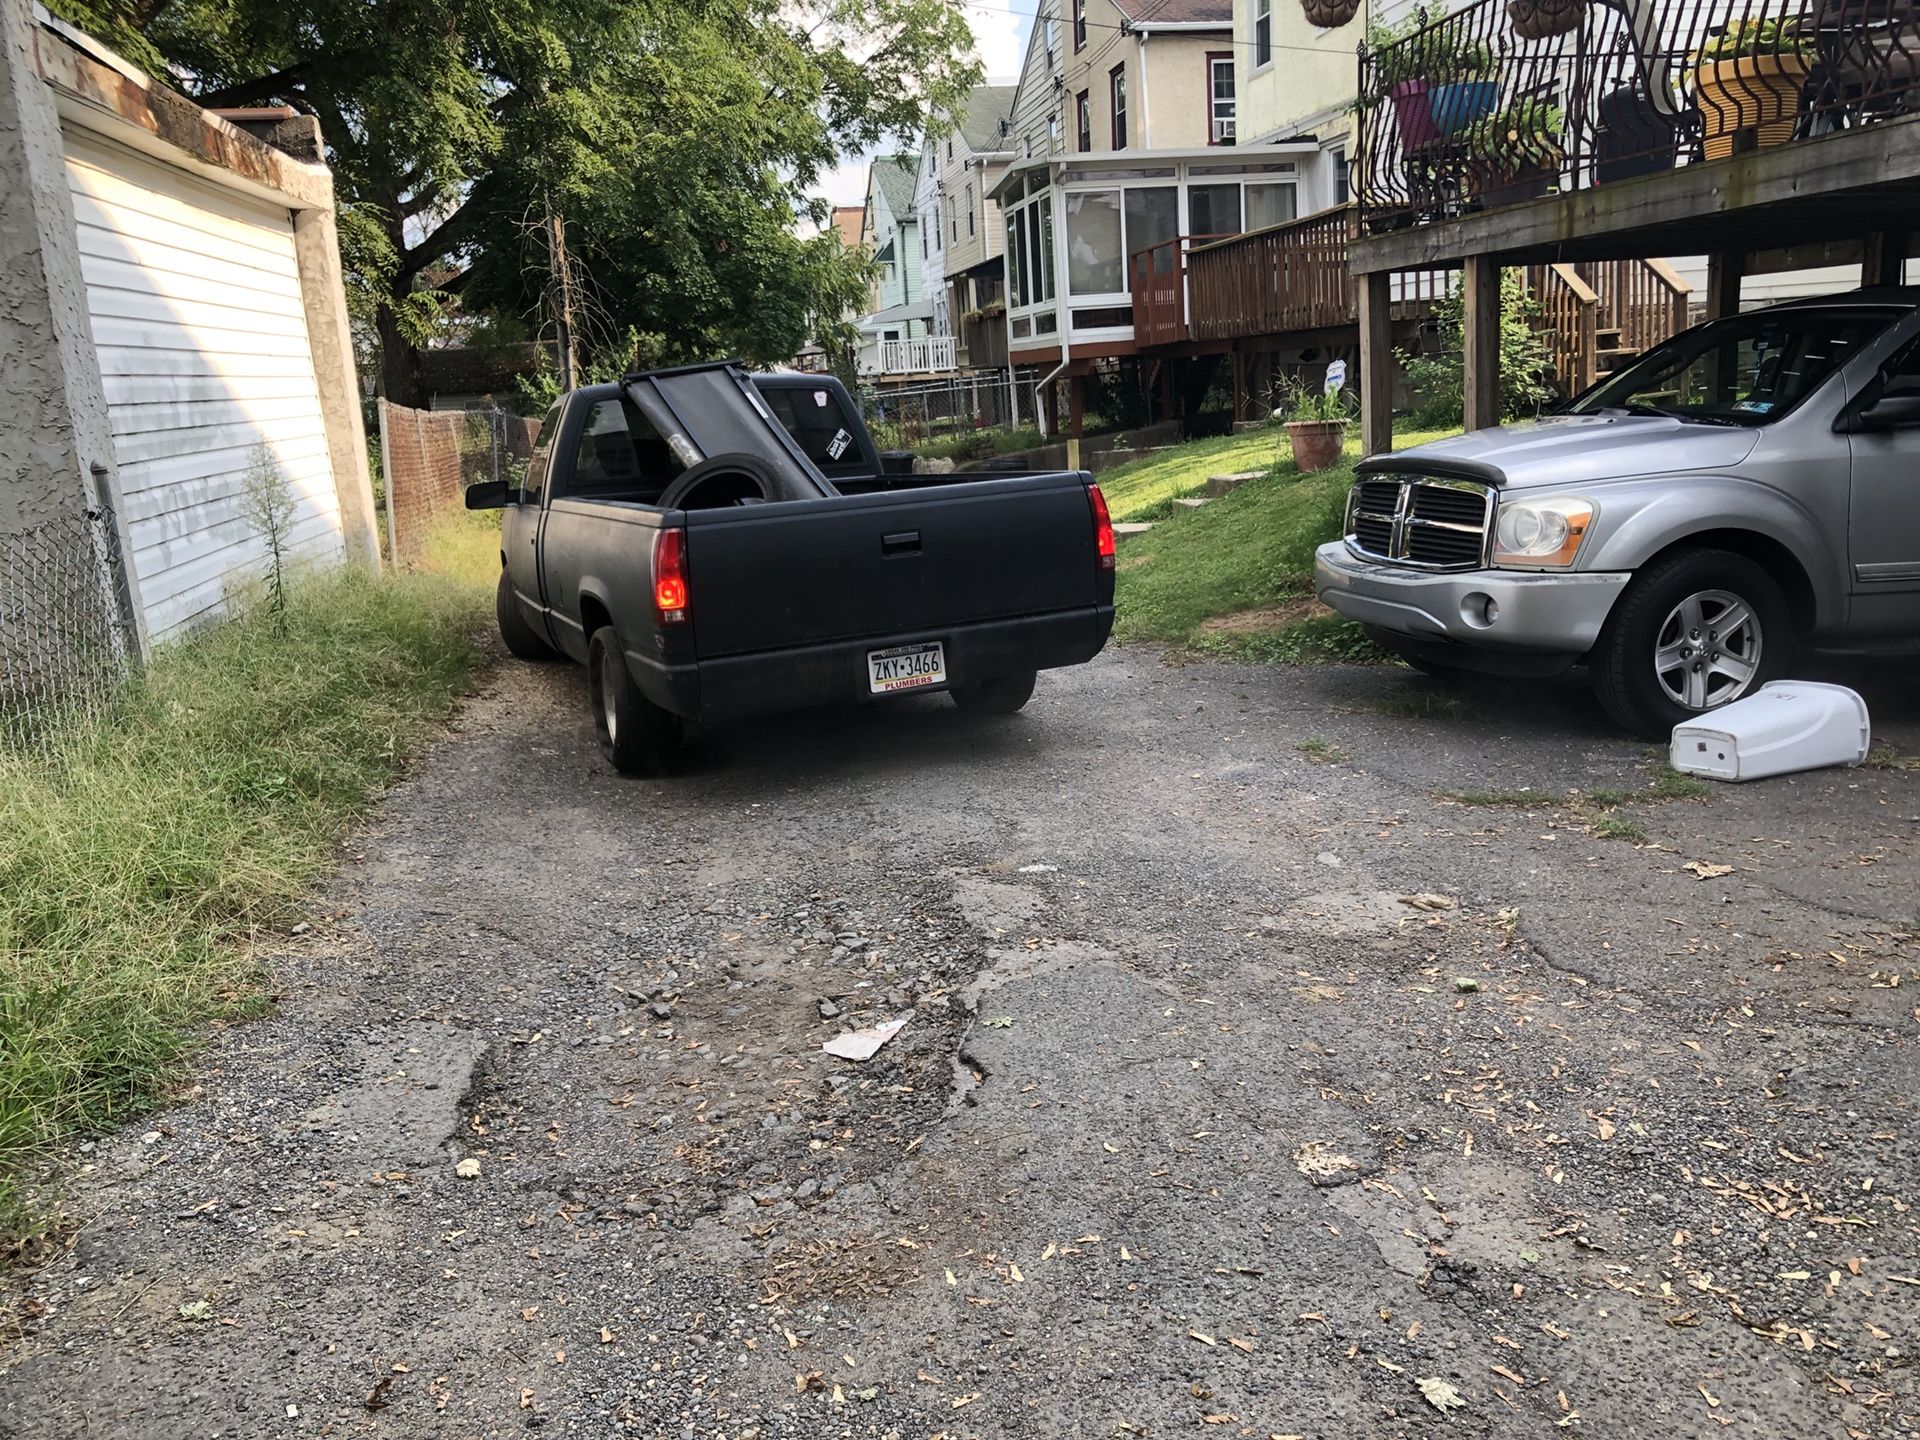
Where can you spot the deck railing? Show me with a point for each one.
(932, 355)
(1507, 100)
(1631, 305)
(1158, 275)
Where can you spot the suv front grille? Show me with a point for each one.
(1423, 522)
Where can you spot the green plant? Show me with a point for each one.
(1524, 136)
(1300, 403)
(1777, 36)
(268, 502)
(1436, 376)
(1321, 752)
(1438, 53)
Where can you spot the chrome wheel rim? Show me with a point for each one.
(1707, 652)
(609, 720)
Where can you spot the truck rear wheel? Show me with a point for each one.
(1695, 631)
(1001, 695)
(521, 641)
(636, 734)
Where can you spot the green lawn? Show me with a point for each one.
(1146, 489)
(1236, 576)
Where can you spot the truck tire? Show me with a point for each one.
(520, 639)
(636, 734)
(1001, 695)
(1695, 631)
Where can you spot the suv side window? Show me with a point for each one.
(535, 480)
(621, 456)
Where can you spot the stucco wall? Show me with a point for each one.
(1311, 78)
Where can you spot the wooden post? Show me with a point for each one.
(1885, 259)
(1480, 304)
(1376, 362)
(1075, 400)
(1724, 273)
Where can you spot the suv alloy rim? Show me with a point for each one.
(1707, 651)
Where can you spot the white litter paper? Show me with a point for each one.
(862, 1044)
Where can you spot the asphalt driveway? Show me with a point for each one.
(1255, 1085)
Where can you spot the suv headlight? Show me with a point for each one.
(1541, 534)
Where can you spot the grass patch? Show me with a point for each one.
(1321, 752)
(1612, 825)
(1504, 799)
(1246, 551)
(138, 856)
(1425, 702)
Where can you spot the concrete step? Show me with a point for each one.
(1218, 485)
(1132, 527)
(1193, 502)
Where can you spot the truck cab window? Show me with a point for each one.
(621, 456)
(820, 425)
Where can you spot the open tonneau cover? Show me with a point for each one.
(703, 411)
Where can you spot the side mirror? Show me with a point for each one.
(490, 495)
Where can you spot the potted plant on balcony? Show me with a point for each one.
(1750, 78)
(1316, 420)
(1398, 61)
(1543, 19)
(1515, 154)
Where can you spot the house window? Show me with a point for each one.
(1220, 99)
(1262, 32)
(1342, 181)
(1053, 37)
(1269, 205)
(1094, 262)
(1117, 92)
(969, 212)
(1079, 25)
(1083, 122)
(923, 242)
(1213, 210)
(949, 149)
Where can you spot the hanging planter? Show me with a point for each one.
(1544, 19)
(1329, 14)
(1750, 80)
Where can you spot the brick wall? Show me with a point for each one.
(431, 456)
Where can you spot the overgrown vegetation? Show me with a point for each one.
(960, 445)
(1144, 489)
(140, 859)
(1436, 377)
(1600, 811)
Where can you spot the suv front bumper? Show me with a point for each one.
(1541, 621)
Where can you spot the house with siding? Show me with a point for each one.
(900, 311)
(1126, 139)
(972, 159)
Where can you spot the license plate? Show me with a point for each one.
(907, 667)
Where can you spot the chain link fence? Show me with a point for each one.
(65, 644)
(901, 416)
(429, 457)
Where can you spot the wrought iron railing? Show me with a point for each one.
(1508, 100)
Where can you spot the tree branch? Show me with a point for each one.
(248, 92)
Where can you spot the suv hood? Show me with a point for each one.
(1571, 450)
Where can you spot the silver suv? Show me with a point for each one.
(1680, 528)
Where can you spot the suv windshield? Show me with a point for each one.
(1744, 370)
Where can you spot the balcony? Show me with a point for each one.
(931, 355)
(1506, 101)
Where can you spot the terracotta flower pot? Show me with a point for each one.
(1760, 93)
(1316, 443)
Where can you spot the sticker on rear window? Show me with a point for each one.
(837, 446)
(820, 398)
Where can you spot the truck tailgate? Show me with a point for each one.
(769, 577)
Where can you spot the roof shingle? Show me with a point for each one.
(1178, 12)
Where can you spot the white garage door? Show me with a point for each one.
(194, 297)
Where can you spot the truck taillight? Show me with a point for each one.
(1102, 528)
(670, 597)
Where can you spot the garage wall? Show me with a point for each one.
(193, 294)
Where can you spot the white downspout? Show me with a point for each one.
(1146, 105)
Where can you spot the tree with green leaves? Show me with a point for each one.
(677, 138)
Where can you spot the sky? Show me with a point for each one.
(999, 35)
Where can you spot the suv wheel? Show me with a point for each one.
(1698, 630)
(636, 735)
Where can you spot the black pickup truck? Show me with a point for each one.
(715, 545)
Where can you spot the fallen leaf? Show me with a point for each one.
(526, 1399)
(1442, 1396)
(1702, 870)
(377, 1397)
(1203, 1339)
(1428, 901)
(999, 1022)
(606, 1336)
(202, 1310)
